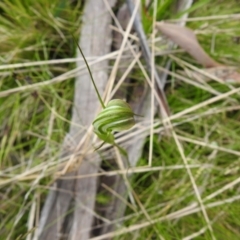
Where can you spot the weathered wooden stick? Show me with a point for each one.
(69, 210)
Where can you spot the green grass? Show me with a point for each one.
(34, 123)
(31, 134)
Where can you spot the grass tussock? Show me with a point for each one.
(34, 122)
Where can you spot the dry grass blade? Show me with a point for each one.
(175, 215)
(186, 39)
(227, 74)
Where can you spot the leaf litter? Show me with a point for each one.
(186, 39)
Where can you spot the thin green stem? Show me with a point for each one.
(99, 97)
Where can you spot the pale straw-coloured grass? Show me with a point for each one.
(193, 154)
